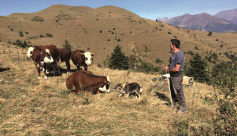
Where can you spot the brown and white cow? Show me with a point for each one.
(40, 54)
(82, 59)
(64, 56)
(41, 58)
(82, 80)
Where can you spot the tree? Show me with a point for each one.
(66, 45)
(198, 68)
(118, 60)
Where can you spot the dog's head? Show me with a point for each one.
(120, 87)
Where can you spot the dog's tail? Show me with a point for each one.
(141, 89)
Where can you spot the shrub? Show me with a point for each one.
(196, 48)
(147, 67)
(49, 35)
(209, 33)
(21, 34)
(37, 19)
(66, 45)
(158, 61)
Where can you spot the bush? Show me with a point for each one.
(21, 34)
(49, 35)
(147, 67)
(158, 61)
(209, 33)
(37, 19)
(224, 75)
(66, 45)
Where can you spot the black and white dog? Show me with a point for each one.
(132, 88)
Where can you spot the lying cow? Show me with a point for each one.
(105, 89)
(82, 80)
(81, 59)
(39, 53)
(64, 56)
(132, 88)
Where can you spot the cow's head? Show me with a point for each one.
(29, 52)
(47, 57)
(88, 57)
(106, 87)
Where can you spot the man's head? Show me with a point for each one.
(175, 43)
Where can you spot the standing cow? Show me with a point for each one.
(39, 53)
(64, 56)
(81, 59)
(82, 80)
(41, 58)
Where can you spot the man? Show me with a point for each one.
(176, 77)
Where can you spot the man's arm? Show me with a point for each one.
(174, 69)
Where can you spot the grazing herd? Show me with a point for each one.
(48, 56)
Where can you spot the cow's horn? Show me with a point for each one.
(82, 53)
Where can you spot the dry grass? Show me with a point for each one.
(29, 106)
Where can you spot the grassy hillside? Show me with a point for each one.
(100, 30)
(38, 107)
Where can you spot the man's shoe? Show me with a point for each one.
(175, 108)
(181, 112)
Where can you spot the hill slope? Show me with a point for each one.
(101, 30)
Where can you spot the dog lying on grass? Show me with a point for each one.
(132, 88)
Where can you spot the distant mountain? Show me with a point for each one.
(229, 15)
(202, 21)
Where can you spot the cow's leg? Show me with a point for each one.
(45, 71)
(54, 70)
(38, 69)
(77, 91)
(59, 73)
(56, 63)
(68, 66)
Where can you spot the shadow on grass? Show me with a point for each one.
(164, 98)
(4, 69)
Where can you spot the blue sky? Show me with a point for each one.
(150, 9)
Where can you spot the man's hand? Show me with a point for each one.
(166, 69)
